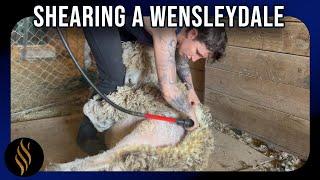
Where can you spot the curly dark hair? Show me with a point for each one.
(215, 39)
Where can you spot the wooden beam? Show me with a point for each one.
(288, 132)
(57, 137)
(278, 67)
(199, 65)
(289, 99)
(293, 39)
(226, 157)
(200, 95)
(197, 79)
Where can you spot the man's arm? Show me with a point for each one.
(165, 47)
(184, 74)
(164, 42)
(183, 71)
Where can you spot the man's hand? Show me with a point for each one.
(193, 116)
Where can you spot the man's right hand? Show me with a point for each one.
(192, 115)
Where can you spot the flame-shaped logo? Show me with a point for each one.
(25, 157)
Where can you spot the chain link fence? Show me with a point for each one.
(42, 73)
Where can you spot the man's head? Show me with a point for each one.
(198, 43)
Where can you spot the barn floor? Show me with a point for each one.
(57, 138)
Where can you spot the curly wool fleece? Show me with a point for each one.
(192, 153)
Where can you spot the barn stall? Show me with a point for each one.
(258, 95)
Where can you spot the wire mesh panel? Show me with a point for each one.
(42, 72)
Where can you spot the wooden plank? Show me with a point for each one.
(277, 67)
(197, 79)
(245, 37)
(200, 95)
(57, 137)
(282, 97)
(199, 65)
(286, 131)
(293, 39)
(227, 158)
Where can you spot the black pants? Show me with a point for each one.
(105, 44)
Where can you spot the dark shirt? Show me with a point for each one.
(139, 34)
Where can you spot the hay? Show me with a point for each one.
(191, 153)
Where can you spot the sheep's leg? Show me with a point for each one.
(148, 132)
(153, 133)
(120, 130)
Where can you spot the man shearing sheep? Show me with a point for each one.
(173, 48)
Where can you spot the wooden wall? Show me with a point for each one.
(197, 71)
(262, 85)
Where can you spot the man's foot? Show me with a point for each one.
(89, 139)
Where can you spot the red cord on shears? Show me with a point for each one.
(162, 118)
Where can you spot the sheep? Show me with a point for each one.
(138, 144)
